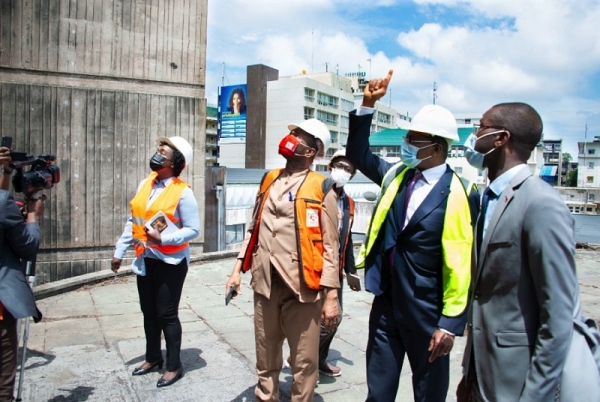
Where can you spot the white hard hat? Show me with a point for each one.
(435, 120)
(338, 153)
(180, 144)
(318, 130)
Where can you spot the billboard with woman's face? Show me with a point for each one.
(232, 114)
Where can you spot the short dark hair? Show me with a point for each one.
(441, 142)
(178, 160)
(523, 123)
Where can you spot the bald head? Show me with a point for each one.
(522, 121)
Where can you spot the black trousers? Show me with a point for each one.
(389, 342)
(160, 292)
(8, 356)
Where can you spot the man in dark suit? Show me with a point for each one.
(417, 256)
(18, 240)
(525, 289)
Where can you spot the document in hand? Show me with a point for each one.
(161, 223)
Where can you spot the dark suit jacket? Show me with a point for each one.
(524, 294)
(416, 278)
(346, 231)
(18, 240)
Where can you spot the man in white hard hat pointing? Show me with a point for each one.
(417, 254)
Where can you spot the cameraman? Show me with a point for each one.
(18, 240)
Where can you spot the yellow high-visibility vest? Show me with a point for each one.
(457, 236)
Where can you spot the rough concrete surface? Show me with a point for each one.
(92, 338)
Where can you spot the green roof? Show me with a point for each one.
(211, 111)
(394, 136)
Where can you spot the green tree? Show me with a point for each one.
(567, 157)
(572, 178)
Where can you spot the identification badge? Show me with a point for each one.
(312, 218)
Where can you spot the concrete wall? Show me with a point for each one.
(95, 83)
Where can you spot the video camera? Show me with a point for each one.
(42, 174)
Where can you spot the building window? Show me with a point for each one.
(467, 121)
(320, 168)
(309, 94)
(334, 137)
(235, 233)
(327, 100)
(591, 151)
(347, 106)
(330, 152)
(377, 150)
(591, 165)
(589, 179)
(343, 139)
(393, 152)
(309, 113)
(384, 118)
(592, 197)
(458, 169)
(327, 118)
(344, 121)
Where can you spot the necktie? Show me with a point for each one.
(409, 190)
(485, 200)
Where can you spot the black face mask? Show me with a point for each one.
(156, 162)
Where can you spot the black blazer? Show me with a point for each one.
(414, 282)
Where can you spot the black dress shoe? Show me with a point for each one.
(142, 371)
(165, 383)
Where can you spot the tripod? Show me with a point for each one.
(24, 322)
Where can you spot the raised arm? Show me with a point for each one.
(357, 149)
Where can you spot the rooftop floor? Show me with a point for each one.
(92, 338)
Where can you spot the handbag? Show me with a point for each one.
(580, 379)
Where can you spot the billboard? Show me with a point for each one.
(232, 114)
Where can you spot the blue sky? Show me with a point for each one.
(543, 52)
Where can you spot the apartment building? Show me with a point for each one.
(588, 171)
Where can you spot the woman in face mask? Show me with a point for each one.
(162, 252)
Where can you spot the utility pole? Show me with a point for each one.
(223, 75)
(434, 91)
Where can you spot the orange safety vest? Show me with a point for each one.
(1, 311)
(350, 221)
(166, 202)
(309, 239)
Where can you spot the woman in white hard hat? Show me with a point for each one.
(162, 258)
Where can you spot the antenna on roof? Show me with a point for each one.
(434, 91)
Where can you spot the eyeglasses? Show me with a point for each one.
(478, 127)
(344, 166)
(412, 141)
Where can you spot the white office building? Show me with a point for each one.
(325, 96)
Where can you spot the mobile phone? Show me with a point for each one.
(354, 280)
(230, 295)
(6, 142)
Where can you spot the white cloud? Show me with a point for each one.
(487, 51)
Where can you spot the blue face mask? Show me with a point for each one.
(408, 153)
(475, 158)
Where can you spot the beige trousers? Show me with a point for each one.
(276, 319)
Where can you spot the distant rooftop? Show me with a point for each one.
(211, 111)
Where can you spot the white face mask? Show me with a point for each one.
(340, 177)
